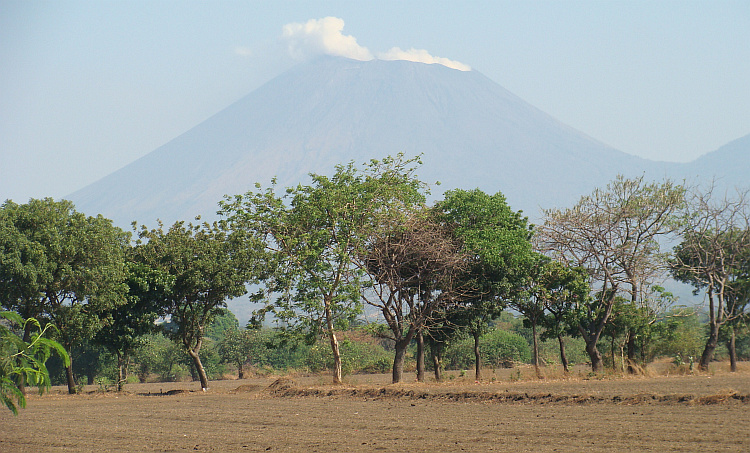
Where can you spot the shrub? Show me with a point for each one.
(497, 347)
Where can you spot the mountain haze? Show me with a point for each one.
(471, 131)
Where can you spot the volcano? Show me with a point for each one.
(470, 131)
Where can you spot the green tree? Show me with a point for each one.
(313, 232)
(159, 355)
(237, 347)
(498, 241)
(19, 358)
(127, 324)
(680, 334)
(57, 264)
(562, 289)
(224, 323)
(208, 266)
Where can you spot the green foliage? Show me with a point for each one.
(497, 348)
(158, 355)
(271, 349)
(223, 323)
(126, 324)
(313, 233)
(59, 264)
(679, 334)
(356, 356)
(208, 265)
(24, 361)
(497, 239)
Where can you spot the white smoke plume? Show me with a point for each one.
(421, 56)
(324, 37)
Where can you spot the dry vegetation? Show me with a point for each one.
(515, 412)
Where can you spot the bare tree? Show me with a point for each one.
(613, 234)
(414, 269)
(713, 256)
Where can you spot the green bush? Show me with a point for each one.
(680, 334)
(356, 356)
(496, 347)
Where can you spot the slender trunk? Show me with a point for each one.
(398, 360)
(631, 352)
(708, 350)
(337, 368)
(120, 374)
(193, 353)
(732, 352)
(477, 356)
(713, 335)
(612, 353)
(631, 332)
(563, 357)
(420, 357)
(595, 356)
(240, 370)
(69, 376)
(437, 360)
(535, 357)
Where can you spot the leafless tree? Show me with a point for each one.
(414, 269)
(714, 256)
(614, 234)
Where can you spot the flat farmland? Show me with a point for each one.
(694, 413)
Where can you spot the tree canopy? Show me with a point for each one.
(61, 266)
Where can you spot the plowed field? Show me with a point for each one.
(696, 413)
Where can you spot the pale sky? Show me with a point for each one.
(88, 87)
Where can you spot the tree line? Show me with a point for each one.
(314, 256)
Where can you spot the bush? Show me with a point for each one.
(496, 347)
(356, 356)
(680, 334)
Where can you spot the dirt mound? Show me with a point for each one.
(287, 389)
(281, 385)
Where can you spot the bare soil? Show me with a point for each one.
(578, 413)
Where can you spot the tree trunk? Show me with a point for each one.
(708, 350)
(420, 357)
(477, 356)
(563, 357)
(398, 360)
(69, 376)
(595, 356)
(612, 353)
(732, 352)
(535, 357)
(631, 352)
(240, 370)
(437, 361)
(120, 374)
(193, 353)
(337, 368)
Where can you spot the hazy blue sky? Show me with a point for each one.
(87, 87)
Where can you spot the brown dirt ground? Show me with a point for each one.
(693, 413)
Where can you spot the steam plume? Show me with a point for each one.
(324, 37)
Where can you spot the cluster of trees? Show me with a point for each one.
(316, 255)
